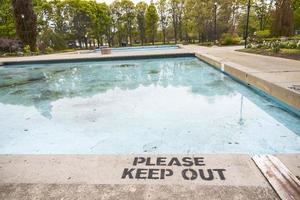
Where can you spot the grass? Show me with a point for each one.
(283, 53)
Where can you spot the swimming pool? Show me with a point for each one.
(166, 105)
(145, 48)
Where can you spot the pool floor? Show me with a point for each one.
(170, 105)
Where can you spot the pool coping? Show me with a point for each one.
(110, 57)
(285, 97)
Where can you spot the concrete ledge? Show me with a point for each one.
(91, 177)
(250, 77)
(109, 57)
(131, 192)
(283, 94)
(214, 61)
(93, 169)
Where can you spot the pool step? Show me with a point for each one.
(286, 184)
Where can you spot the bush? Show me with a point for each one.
(9, 45)
(284, 45)
(49, 50)
(26, 50)
(230, 39)
(292, 44)
(275, 46)
(263, 34)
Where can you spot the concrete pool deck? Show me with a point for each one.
(134, 177)
(100, 177)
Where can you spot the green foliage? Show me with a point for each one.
(230, 39)
(141, 8)
(49, 50)
(85, 22)
(263, 34)
(275, 47)
(26, 21)
(7, 23)
(53, 39)
(26, 50)
(151, 22)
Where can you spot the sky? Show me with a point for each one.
(134, 1)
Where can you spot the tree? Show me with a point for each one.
(151, 21)
(283, 22)
(162, 8)
(117, 21)
(263, 10)
(81, 20)
(7, 23)
(101, 21)
(128, 15)
(141, 8)
(296, 8)
(176, 10)
(26, 22)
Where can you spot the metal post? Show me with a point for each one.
(247, 23)
(215, 27)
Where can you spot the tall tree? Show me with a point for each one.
(26, 21)
(162, 9)
(263, 12)
(117, 21)
(151, 21)
(283, 23)
(175, 10)
(141, 8)
(128, 14)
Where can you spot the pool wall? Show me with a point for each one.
(284, 97)
(106, 58)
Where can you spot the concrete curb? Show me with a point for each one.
(287, 97)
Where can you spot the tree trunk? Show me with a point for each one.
(164, 35)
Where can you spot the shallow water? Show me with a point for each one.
(172, 105)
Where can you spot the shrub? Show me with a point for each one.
(298, 45)
(229, 39)
(249, 46)
(263, 34)
(292, 44)
(26, 50)
(49, 50)
(275, 46)
(284, 45)
(9, 45)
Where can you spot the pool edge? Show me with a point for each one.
(276, 93)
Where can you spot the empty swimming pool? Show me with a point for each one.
(168, 105)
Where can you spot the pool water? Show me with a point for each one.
(170, 105)
(145, 48)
